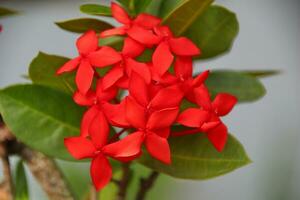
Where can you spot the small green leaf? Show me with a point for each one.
(41, 117)
(95, 9)
(214, 31)
(243, 86)
(261, 73)
(84, 24)
(194, 157)
(21, 192)
(179, 15)
(6, 12)
(42, 71)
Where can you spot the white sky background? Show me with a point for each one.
(269, 38)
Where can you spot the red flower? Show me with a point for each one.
(90, 55)
(207, 118)
(96, 148)
(139, 29)
(163, 55)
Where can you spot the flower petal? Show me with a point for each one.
(120, 14)
(84, 76)
(223, 103)
(69, 66)
(112, 76)
(138, 89)
(87, 119)
(128, 147)
(116, 114)
(79, 147)
(104, 57)
(218, 136)
(158, 148)
(105, 94)
(147, 21)
(143, 36)
(85, 100)
(132, 48)
(167, 97)
(99, 130)
(101, 171)
(135, 114)
(140, 68)
(183, 47)
(193, 117)
(202, 97)
(113, 31)
(183, 67)
(87, 43)
(162, 118)
(162, 58)
(199, 80)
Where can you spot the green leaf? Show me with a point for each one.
(84, 24)
(141, 6)
(154, 7)
(245, 87)
(95, 9)
(194, 157)
(41, 117)
(21, 192)
(261, 73)
(42, 71)
(6, 12)
(214, 31)
(181, 14)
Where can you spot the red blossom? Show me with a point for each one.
(154, 95)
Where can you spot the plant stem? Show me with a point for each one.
(124, 182)
(146, 184)
(94, 195)
(117, 135)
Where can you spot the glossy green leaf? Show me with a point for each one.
(261, 73)
(194, 157)
(6, 12)
(95, 9)
(44, 117)
(141, 6)
(214, 31)
(245, 87)
(21, 192)
(84, 24)
(154, 7)
(42, 71)
(179, 15)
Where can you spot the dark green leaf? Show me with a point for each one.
(214, 31)
(95, 9)
(42, 71)
(6, 12)
(261, 73)
(84, 24)
(181, 14)
(41, 117)
(154, 7)
(141, 6)
(245, 87)
(194, 157)
(21, 192)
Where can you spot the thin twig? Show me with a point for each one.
(94, 195)
(117, 135)
(124, 182)
(146, 184)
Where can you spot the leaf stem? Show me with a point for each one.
(117, 135)
(146, 184)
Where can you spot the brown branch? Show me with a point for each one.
(42, 167)
(124, 182)
(146, 184)
(7, 186)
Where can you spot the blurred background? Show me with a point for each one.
(269, 129)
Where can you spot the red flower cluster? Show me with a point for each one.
(155, 95)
